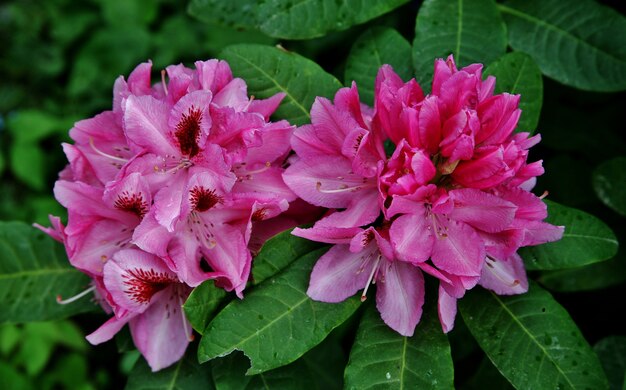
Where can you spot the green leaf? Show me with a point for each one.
(586, 240)
(532, 340)
(28, 164)
(321, 368)
(229, 373)
(278, 252)
(589, 277)
(277, 322)
(186, 374)
(33, 271)
(10, 336)
(233, 13)
(472, 31)
(304, 19)
(487, 373)
(268, 70)
(609, 182)
(2, 163)
(517, 73)
(383, 359)
(202, 304)
(375, 47)
(612, 353)
(581, 44)
(28, 126)
(12, 379)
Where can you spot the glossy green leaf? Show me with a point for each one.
(532, 340)
(28, 126)
(277, 253)
(487, 373)
(375, 47)
(28, 164)
(586, 240)
(321, 368)
(229, 374)
(233, 13)
(612, 353)
(581, 43)
(186, 374)
(517, 73)
(609, 182)
(202, 303)
(383, 359)
(277, 322)
(472, 31)
(304, 19)
(33, 271)
(589, 277)
(2, 163)
(269, 70)
(10, 378)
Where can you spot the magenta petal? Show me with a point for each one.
(499, 115)
(429, 129)
(266, 107)
(339, 274)
(328, 234)
(213, 75)
(267, 182)
(234, 94)
(194, 105)
(331, 125)
(362, 211)
(400, 296)
(168, 201)
(481, 210)
(446, 308)
(109, 329)
(151, 236)
(536, 232)
(133, 277)
(145, 125)
(326, 182)
(412, 237)
(459, 251)
(162, 332)
(505, 277)
(276, 137)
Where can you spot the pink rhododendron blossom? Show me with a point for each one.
(166, 191)
(451, 200)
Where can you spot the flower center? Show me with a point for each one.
(132, 203)
(142, 284)
(203, 199)
(188, 132)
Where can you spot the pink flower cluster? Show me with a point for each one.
(171, 188)
(452, 199)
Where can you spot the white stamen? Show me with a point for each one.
(100, 152)
(261, 170)
(163, 81)
(188, 332)
(369, 280)
(545, 193)
(249, 102)
(342, 188)
(75, 297)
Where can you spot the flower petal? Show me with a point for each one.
(400, 296)
(145, 126)
(162, 332)
(481, 210)
(412, 237)
(459, 250)
(505, 277)
(339, 274)
(446, 308)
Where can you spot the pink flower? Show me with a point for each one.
(452, 200)
(165, 191)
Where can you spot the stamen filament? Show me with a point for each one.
(369, 280)
(188, 332)
(100, 152)
(163, 81)
(343, 188)
(76, 297)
